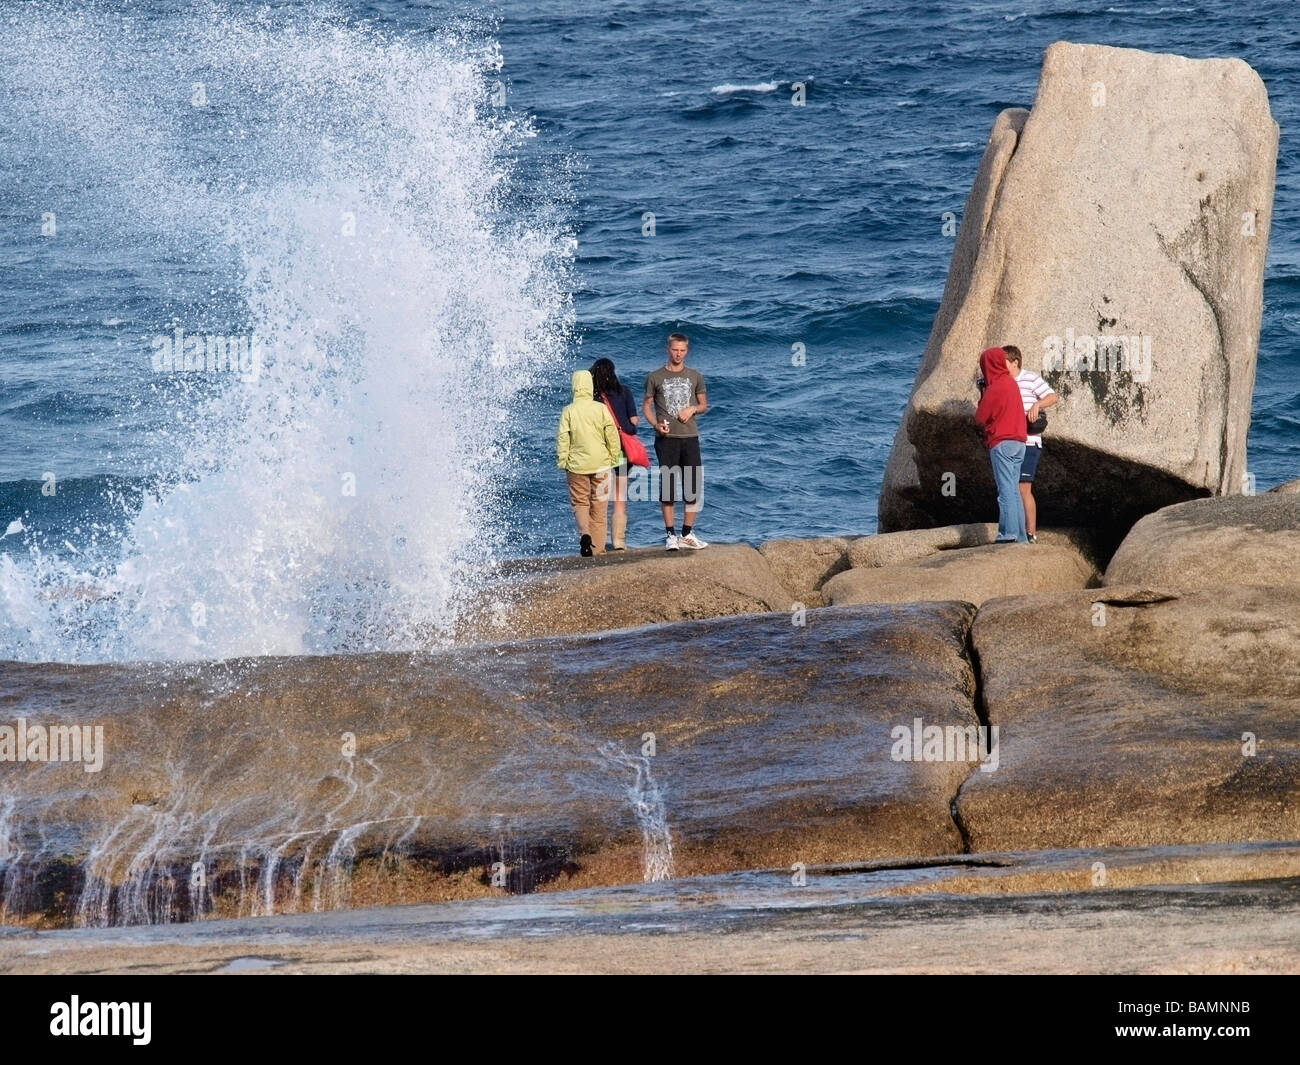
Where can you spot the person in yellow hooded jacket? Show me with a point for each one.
(586, 449)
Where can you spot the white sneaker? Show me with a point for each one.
(672, 543)
(692, 541)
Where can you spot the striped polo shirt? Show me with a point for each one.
(1032, 389)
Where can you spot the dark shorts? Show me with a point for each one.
(1030, 466)
(680, 473)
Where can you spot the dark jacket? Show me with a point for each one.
(624, 410)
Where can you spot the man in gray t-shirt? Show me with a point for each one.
(672, 393)
(674, 396)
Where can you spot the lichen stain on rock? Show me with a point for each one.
(1117, 395)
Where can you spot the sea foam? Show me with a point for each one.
(360, 189)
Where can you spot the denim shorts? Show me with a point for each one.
(1030, 466)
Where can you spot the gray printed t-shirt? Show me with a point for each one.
(672, 392)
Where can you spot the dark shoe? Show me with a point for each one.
(1033, 539)
(585, 550)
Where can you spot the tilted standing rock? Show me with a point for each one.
(1132, 202)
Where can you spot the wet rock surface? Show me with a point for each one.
(313, 783)
(1214, 909)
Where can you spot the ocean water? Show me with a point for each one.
(429, 214)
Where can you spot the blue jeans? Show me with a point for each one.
(1007, 458)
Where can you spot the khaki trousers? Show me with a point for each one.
(589, 496)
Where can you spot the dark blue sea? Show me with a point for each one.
(430, 214)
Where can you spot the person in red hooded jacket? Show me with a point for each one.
(1002, 417)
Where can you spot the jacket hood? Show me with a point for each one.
(583, 388)
(993, 364)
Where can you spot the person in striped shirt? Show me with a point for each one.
(1036, 394)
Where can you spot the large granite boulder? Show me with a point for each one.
(1133, 201)
(625, 589)
(1129, 716)
(1245, 540)
(279, 784)
(970, 575)
(914, 545)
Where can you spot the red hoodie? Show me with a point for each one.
(1000, 413)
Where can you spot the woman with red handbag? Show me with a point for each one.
(622, 405)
